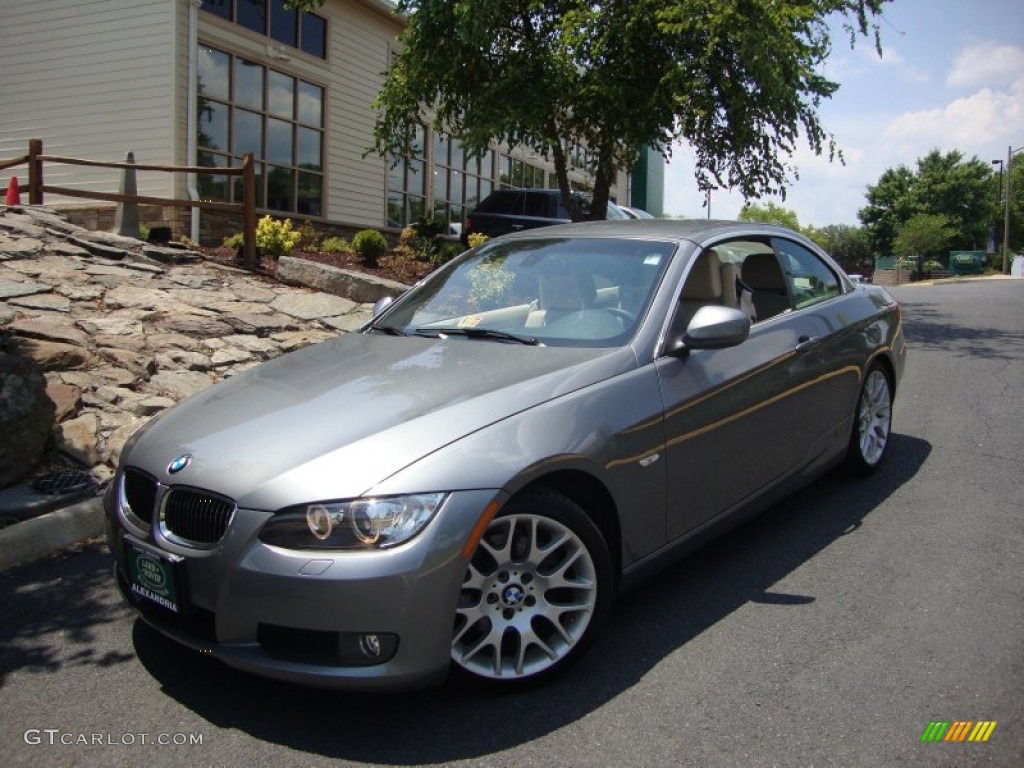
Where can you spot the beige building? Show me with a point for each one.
(184, 82)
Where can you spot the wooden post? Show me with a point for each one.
(35, 172)
(250, 255)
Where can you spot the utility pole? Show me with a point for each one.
(1010, 152)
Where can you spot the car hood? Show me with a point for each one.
(333, 420)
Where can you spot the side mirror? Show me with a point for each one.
(381, 304)
(713, 327)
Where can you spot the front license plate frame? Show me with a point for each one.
(154, 576)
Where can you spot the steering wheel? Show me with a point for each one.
(625, 317)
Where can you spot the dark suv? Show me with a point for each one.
(510, 210)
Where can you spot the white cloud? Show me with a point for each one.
(986, 64)
(978, 119)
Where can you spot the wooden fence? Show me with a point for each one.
(35, 188)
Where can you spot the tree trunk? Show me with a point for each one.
(562, 174)
(602, 188)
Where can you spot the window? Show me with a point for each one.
(808, 278)
(296, 29)
(459, 182)
(247, 107)
(407, 193)
(520, 174)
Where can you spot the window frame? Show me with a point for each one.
(229, 11)
(265, 113)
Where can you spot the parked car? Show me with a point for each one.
(513, 210)
(635, 213)
(466, 482)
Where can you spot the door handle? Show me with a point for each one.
(806, 342)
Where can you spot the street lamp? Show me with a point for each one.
(1010, 152)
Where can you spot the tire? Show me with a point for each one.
(872, 423)
(536, 591)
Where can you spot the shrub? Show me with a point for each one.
(370, 245)
(477, 238)
(309, 238)
(275, 238)
(234, 241)
(447, 252)
(336, 245)
(422, 240)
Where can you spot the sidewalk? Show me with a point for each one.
(51, 532)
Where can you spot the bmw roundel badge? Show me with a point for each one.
(179, 463)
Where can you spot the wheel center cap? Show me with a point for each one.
(512, 595)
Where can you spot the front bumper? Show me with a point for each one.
(283, 613)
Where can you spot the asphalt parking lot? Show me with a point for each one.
(832, 630)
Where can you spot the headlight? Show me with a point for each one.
(356, 524)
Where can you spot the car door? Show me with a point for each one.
(829, 350)
(740, 419)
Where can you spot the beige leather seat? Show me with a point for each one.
(730, 280)
(736, 293)
(703, 287)
(561, 294)
(762, 273)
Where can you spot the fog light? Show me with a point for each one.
(370, 645)
(365, 649)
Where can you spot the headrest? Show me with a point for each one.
(563, 290)
(705, 278)
(761, 271)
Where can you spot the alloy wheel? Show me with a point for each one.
(874, 417)
(528, 597)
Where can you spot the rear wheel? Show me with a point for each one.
(872, 423)
(535, 592)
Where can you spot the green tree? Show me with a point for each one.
(848, 245)
(739, 80)
(889, 205)
(770, 213)
(943, 184)
(922, 236)
(960, 190)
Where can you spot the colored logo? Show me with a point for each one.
(179, 463)
(958, 730)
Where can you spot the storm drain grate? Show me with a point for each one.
(62, 482)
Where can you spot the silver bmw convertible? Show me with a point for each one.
(466, 483)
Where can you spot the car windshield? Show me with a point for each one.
(555, 291)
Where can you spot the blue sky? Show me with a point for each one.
(951, 77)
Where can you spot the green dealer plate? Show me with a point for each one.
(154, 576)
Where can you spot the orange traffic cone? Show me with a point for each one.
(13, 195)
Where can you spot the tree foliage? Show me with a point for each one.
(770, 213)
(739, 80)
(847, 244)
(922, 236)
(962, 191)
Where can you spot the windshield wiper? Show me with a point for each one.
(479, 333)
(388, 329)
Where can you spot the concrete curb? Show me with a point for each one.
(32, 539)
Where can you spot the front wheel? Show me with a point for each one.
(536, 590)
(872, 423)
